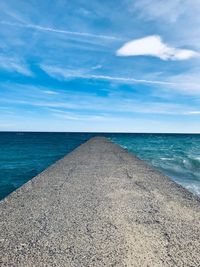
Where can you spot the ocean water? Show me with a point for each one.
(176, 155)
(24, 155)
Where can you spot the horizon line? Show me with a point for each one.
(98, 132)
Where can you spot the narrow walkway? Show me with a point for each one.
(100, 206)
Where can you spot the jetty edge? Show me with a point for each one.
(100, 206)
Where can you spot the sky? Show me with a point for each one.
(102, 66)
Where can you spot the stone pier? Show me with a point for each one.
(100, 206)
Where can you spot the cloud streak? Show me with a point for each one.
(60, 73)
(169, 10)
(155, 47)
(59, 31)
(91, 104)
(76, 116)
(14, 65)
(186, 85)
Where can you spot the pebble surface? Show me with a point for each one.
(100, 206)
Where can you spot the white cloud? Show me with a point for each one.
(154, 46)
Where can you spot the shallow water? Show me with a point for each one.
(24, 155)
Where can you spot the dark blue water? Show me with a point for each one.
(24, 155)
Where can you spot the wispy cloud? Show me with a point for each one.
(154, 46)
(77, 116)
(50, 92)
(195, 112)
(61, 73)
(15, 65)
(59, 31)
(67, 103)
(169, 10)
(97, 67)
(186, 84)
(75, 44)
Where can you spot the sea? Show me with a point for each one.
(25, 154)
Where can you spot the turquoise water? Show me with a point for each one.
(177, 156)
(24, 155)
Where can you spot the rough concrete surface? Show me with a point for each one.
(100, 206)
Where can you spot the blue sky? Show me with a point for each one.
(118, 65)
